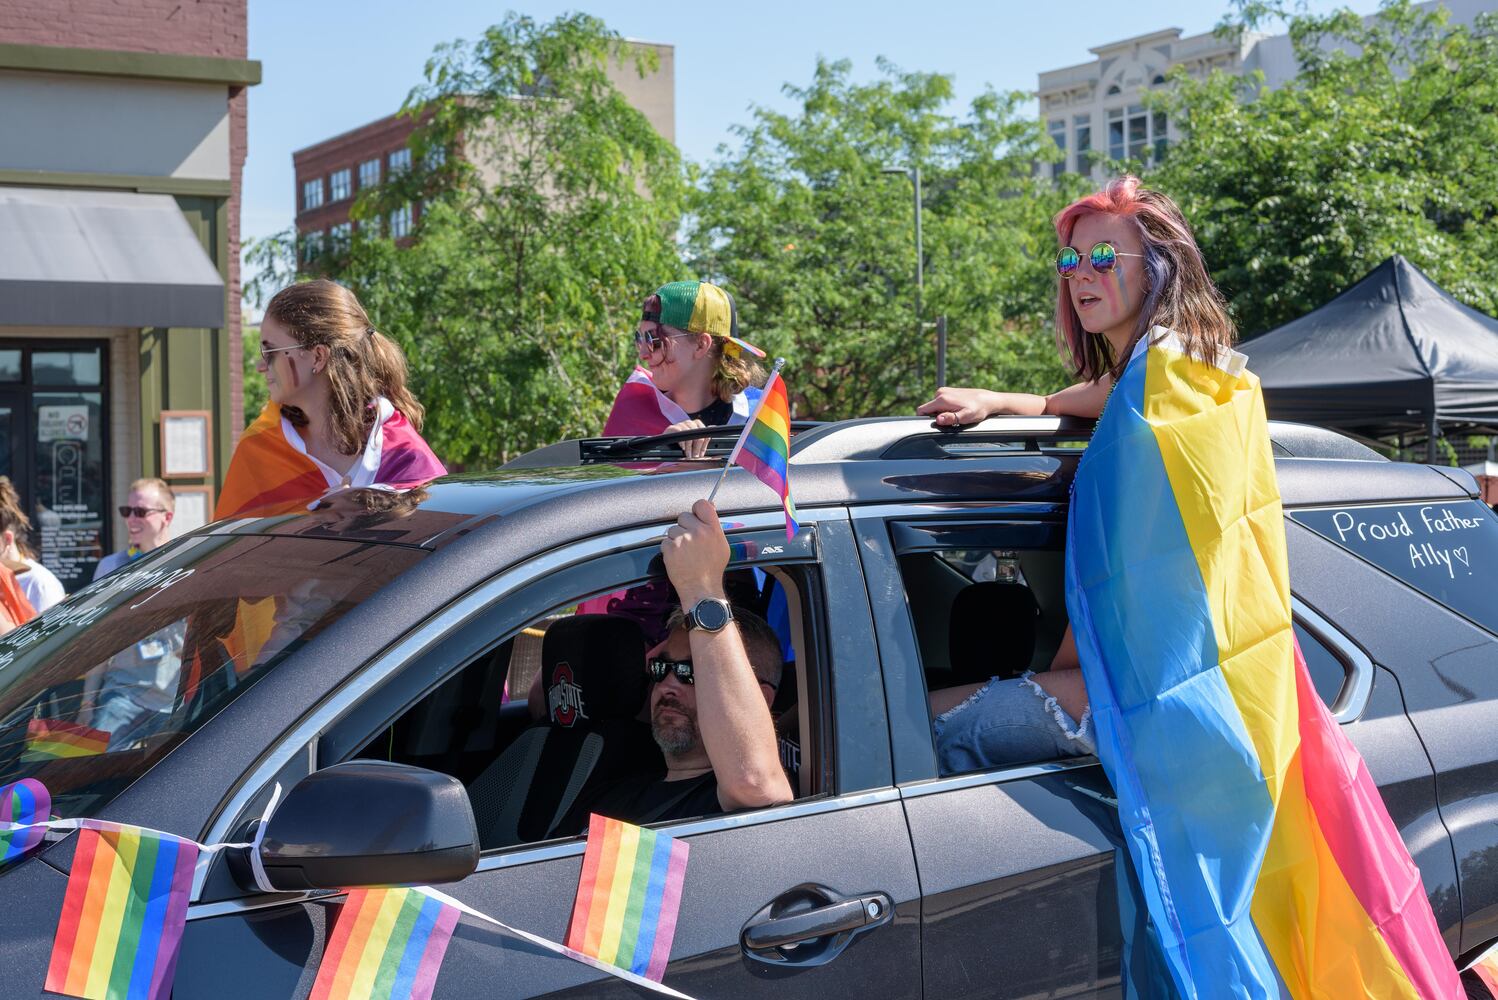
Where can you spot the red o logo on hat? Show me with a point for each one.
(564, 697)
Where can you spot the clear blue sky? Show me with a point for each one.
(331, 65)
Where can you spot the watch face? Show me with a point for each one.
(711, 615)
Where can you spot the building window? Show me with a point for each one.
(369, 173)
(400, 222)
(311, 194)
(340, 184)
(1082, 126)
(1058, 136)
(1113, 91)
(400, 161)
(1158, 81)
(436, 157)
(340, 235)
(1139, 136)
(1115, 134)
(370, 227)
(312, 246)
(1160, 135)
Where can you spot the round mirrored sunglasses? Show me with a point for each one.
(1103, 259)
(649, 340)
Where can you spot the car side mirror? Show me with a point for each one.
(366, 823)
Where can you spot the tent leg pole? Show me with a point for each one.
(1430, 445)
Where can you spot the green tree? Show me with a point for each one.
(255, 390)
(816, 241)
(550, 217)
(1383, 144)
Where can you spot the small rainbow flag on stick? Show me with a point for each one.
(52, 739)
(122, 916)
(25, 801)
(765, 446)
(387, 945)
(627, 897)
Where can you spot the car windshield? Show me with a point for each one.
(100, 687)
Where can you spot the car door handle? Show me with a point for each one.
(818, 922)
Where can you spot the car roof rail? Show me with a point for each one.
(640, 448)
(918, 437)
(1292, 440)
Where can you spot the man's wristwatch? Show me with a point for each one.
(711, 614)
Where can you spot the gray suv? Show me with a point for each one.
(385, 642)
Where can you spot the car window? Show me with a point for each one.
(582, 656)
(100, 687)
(1328, 672)
(1445, 549)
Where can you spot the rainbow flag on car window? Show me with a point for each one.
(628, 896)
(1263, 849)
(122, 915)
(21, 803)
(765, 446)
(53, 739)
(387, 944)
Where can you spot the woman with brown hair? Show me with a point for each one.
(339, 413)
(36, 581)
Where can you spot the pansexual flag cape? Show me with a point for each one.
(765, 446)
(388, 944)
(122, 915)
(269, 474)
(628, 896)
(53, 739)
(641, 409)
(1267, 860)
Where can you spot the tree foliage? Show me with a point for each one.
(518, 291)
(806, 226)
(1383, 144)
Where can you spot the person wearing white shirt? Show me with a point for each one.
(41, 587)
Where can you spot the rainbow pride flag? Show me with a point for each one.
(387, 944)
(53, 739)
(765, 446)
(122, 915)
(22, 802)
(627, 897)
(1263, 849)
(268, 474)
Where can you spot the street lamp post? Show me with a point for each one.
(914, 175)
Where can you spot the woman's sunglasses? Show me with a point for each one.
(661, 669)
(1104, 259)
(649, 340)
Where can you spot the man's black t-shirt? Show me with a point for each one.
(644, 798)
(714, 414)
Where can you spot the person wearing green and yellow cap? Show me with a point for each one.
(693, 371)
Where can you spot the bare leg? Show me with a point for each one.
(1067, 688)
(946, 699)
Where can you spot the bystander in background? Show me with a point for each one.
(147, 510)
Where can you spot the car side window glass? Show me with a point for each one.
(556, 719)
(1441, 548)
(1328, 672)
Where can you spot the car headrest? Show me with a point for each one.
(593, 670)
(992, 632)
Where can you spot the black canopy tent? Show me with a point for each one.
(1393, 354)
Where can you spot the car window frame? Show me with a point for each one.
(295, 754)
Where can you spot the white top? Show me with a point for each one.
(41, 587)
(366, 468)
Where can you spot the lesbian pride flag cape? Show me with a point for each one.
(271, 473)
(1266, 857)
(641, 409)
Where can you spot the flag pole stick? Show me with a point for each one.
(748, 424)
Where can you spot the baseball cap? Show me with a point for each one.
(700, 307)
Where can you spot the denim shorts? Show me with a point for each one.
(1009, 722)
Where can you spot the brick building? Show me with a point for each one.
(331, 173)
(122, 142)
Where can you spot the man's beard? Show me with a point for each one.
(674, 734)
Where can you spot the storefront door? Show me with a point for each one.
(54, 447)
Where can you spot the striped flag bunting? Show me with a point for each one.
(54, 739)
(122, 915)
(22, 803)
(765, 446)
(387, 945)
(628, 896)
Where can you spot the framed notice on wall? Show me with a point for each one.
(194, 508)
(186, 444)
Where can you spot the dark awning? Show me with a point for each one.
(102, 258)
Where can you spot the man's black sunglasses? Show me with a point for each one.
(661, 669)
(128, 511)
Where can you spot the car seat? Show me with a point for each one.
(991, 632)
(593, 674)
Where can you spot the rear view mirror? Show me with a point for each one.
(368, 823)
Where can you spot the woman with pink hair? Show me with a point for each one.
(1136, 267)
